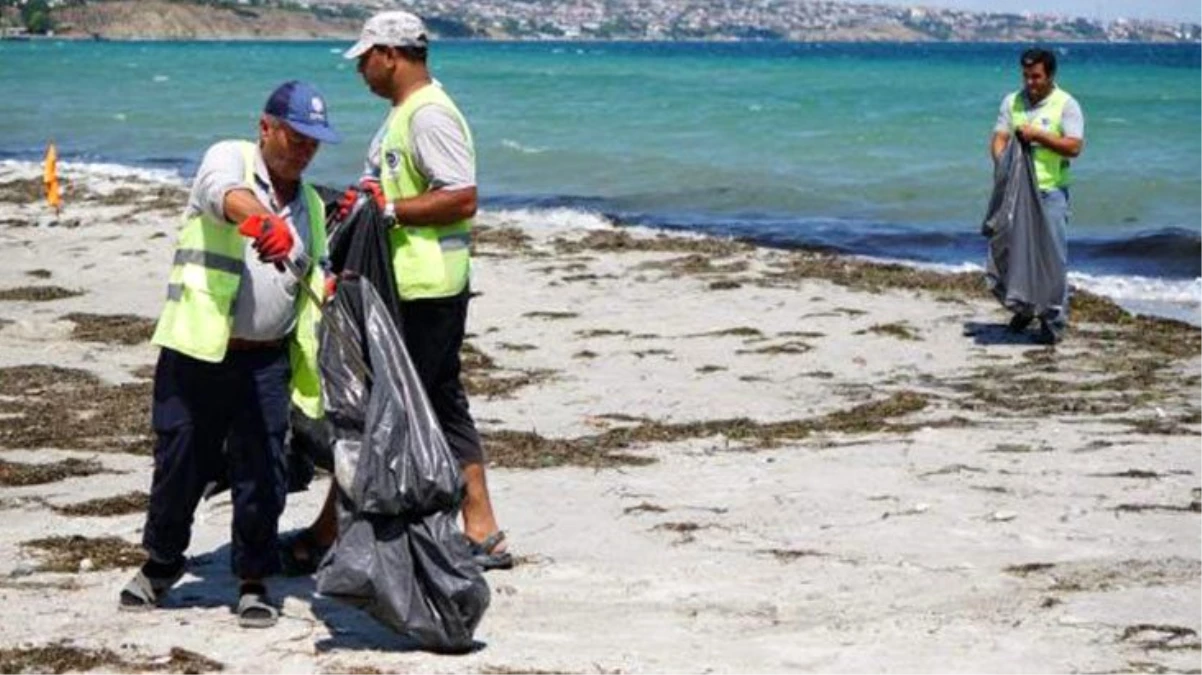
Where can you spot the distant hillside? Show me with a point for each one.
(160, 19)
(800, 20)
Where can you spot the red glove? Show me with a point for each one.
(331, 286)
(273, 237)
(368, 186)
(372, 187)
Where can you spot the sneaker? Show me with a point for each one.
(1019, 323)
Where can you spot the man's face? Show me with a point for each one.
(376, 66)
(285, 152)
(1036, 81)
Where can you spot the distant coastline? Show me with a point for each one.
(584, 21)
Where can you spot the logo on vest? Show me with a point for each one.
(393, 159)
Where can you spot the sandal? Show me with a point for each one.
(487, 556)
(312, 553)
(254, 610)
(149, 586)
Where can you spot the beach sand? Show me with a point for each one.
(707, 456)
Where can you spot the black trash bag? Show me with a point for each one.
(399, 553)
(1024, 268)
(356, 245)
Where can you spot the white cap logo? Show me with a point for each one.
(318, 109)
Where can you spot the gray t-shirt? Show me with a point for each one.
(1072, 119)
(441, 151)
(265, 308)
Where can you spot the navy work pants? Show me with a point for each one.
(210, 418)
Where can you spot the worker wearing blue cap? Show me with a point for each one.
(239, 345)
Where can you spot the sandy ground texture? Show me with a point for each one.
(708, 457)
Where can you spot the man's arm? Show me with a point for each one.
(442, 152)
(240, 203)
(1001, 128)
(1070, 142)
(998, 145)
(1065, 146)
(441, 206)
(220, 188)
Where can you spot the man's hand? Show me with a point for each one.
(331, 287)
(1031, 134)
(271, 234)
(368, 186)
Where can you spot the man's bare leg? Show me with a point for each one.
(479, 521)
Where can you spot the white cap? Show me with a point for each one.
(389, 29)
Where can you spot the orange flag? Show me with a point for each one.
(50, 179)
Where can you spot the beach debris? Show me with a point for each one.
(37, 293)
(1002, 516)
(529, 450)
(505, 238)
(1194, 506)
(126, 329)
(619, 241)
(64, 657)
(724, 285)
(1161, 636)
(898, 329)
(21, 473)
(49, 406)
(601, 332)
(790, 347)
(1025, 569)
(644, 507)
(788, 555)
(550, 316)
(481, 378)
(66, 553)
(131, 502)
(686, 531)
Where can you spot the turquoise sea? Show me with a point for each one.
(878, 150)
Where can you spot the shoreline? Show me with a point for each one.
(707, 455)
(1140, 295)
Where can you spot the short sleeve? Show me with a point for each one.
(222, 169)
(441, 149)
(1073, 120)
(1005, 116)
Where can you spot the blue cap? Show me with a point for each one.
(299, 104)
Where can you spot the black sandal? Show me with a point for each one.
(486, 555)
(311, 553)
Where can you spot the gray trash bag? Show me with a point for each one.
(400, 554)
(1024, 268)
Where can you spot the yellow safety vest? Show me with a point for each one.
(429, 262)
(1051, 168)
(199, 314)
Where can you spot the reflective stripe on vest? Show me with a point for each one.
(429, 262)
(1051, 168)
(198, 318)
